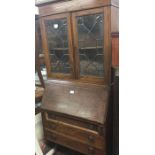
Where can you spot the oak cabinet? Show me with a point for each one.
(77, 45)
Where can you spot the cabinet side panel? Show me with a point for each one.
(115, 49)
(107, 44)
(114, 19)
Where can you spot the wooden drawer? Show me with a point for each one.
(84, 135)
(73, 121)
(72, 143)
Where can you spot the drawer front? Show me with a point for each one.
(71, 121)
(84, 135)
(72, 143)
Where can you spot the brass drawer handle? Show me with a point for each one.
(53, 137)
(91, 150)
(91, 138)
(91, 127)
(52, 126)
(53, 116)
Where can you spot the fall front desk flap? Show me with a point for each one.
(81, 100)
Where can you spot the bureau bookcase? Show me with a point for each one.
(76, 41)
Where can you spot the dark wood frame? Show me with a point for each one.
(46, 51)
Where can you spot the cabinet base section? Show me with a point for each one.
(72, 144)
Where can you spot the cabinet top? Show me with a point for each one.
(45, 2)
(83, 101)
(72, 5)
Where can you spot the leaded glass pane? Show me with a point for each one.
(90, 44)
(57, 38)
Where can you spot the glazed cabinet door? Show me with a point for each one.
(89, 41)
(57, 45)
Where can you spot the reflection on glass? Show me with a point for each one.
(37, 80)
(90, 44)
(57, 36)
(43, 71)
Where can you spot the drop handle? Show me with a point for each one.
(91, 127)
(53, 126)
(91, 138)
